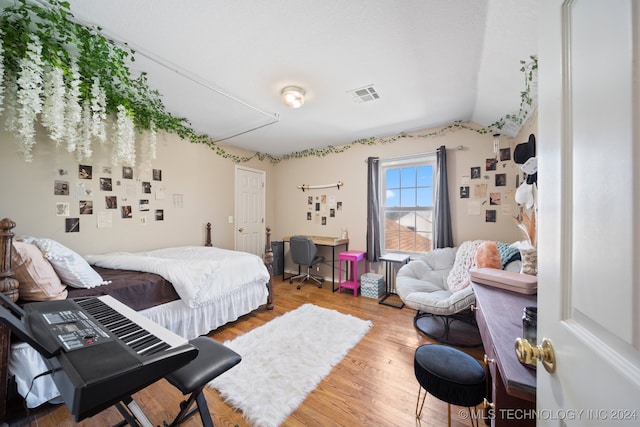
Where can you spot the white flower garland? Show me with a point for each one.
(53, 108)
(45, 93)
(29, 101)
(73, 109)
(98, 111)
(11, 104)
(148, 149)
(124, 151)
(83, 147)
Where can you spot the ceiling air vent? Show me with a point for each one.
(364, 94)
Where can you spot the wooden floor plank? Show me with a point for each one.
(374, 385)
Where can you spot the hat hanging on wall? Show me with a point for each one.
(525, 154)
(524, 195)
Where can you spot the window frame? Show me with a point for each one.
(429, 159)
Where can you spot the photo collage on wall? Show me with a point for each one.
(117, 196)
(488, 192)
(322, 208)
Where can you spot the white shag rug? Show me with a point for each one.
(285, 359)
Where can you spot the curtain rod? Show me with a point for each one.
(409, 156)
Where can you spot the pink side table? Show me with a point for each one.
(354, 282)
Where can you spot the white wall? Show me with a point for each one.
(350, 167)
(204, 179)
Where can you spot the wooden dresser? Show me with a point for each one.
(513, 385)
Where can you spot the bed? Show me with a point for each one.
(171, 286)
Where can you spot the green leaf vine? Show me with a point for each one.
(64, 41)
(529, 71)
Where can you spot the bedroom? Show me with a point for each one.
(203, 180)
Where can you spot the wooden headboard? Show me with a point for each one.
(8, 286)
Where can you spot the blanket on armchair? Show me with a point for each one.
(459, 277)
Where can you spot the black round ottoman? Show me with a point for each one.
(450, 375)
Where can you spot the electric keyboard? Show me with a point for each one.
(103, 350)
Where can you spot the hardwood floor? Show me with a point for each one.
(374, 385)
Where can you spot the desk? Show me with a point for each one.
(390, 278)
(332, 242)
(499, 317)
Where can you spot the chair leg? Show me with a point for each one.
(474, 416)
(205, 416)
(419, 405)
(201, 406)
(305, 276)
(299, 276)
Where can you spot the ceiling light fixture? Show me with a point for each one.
(293, 96)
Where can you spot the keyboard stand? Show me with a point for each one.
(132, 413)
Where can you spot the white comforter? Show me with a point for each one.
(199, 274)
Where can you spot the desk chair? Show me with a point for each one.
(304, 253)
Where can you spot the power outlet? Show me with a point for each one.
(230, 219)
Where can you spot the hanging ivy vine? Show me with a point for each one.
(529, 71)
(84, 58)
(71, 77)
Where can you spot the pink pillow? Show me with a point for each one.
(38, 280)
(488, 256)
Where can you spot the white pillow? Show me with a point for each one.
(72, 269)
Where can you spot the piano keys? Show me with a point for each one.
(107, 351)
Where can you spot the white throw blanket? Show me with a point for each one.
(199, 274)
(459, 277)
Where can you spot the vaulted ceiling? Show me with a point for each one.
(222, 63)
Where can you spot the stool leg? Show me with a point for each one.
(418, 405)
(205, 416)
(201, 406)
(449, 414)
(474, 415)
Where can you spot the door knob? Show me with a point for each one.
(543, 353)
(240, 229)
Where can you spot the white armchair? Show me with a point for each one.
(425, 285)
(440, 313)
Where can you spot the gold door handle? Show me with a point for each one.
(488, 360)
(529, 354)
(240, 229)
(488, 405)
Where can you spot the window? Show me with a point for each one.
(407, 204)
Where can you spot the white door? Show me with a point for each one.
(589, 212)
(250, 194)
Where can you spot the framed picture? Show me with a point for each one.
(72, 225)
(464, 192)
(475, 172)
(490, 215)
(127, 172)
